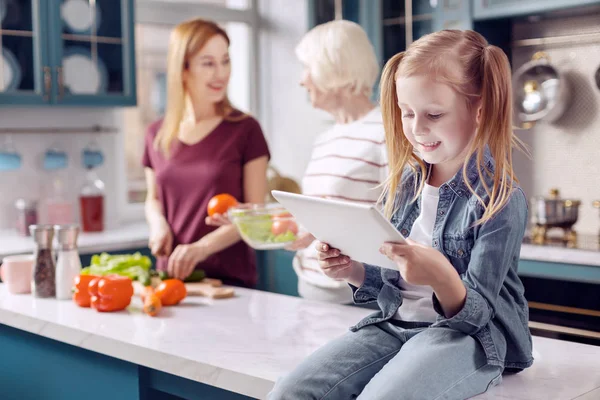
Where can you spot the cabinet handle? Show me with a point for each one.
(47, 83)
(61, 87)
(408, 27)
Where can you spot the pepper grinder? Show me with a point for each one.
(68, 264)
(43, 275)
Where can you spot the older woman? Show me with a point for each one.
(348, 160)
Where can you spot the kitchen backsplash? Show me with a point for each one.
(565, 153)
(31, 180)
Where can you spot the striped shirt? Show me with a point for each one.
(349, 162)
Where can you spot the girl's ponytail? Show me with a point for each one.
(495, 130)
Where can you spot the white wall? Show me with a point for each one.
(288, 119)
(565, 153)
(31, 179)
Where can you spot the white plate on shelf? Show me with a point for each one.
(78, 16)
(81, 75)
(11, 71)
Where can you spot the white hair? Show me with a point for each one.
(339, 54)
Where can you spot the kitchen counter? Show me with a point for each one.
(534, 252)
(135, 235)
(241, 344)
(244, 344)
(126, 236)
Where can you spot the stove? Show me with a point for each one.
(565, 238)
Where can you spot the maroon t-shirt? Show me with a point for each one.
(193, 175)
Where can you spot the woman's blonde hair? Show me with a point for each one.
(481, 73)
(338, 54)
(186, 40)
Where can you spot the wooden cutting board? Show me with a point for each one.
(208, 287)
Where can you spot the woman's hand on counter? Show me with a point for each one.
(217, 220)
(161, 240)
(302, 242)
(184, 259)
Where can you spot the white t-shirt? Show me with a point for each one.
(417, 304)
(348, 162)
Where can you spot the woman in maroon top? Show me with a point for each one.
(202, 147)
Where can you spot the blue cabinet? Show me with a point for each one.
(403, 23)
(63, 372)
(366, 13)
(26, 73)
(453, 14)
(487, 9)
(67, 52)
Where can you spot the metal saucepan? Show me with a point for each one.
(555, 212)
(540, 91)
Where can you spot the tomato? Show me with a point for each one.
(220, 203)
(284, 214)
(171, 292)
(281, 226)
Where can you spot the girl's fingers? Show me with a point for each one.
(336, 262)
(324, 255)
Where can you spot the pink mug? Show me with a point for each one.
(16, 273)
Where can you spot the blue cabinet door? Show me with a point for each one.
(92, 52)
(452, 14)
(486, 9)
(366, 13)
(25, 73)
(403, 25)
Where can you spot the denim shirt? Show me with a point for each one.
(485, 256)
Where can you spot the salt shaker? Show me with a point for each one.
(43, 276)
(68, 264)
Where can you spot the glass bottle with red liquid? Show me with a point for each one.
(91, 203)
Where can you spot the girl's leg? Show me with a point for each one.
(438, 363)
(341, 368)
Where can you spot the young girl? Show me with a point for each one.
(453, 316)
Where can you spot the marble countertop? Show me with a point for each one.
(241, 344)
(560, 255)
(124, 237)
(245, 343)
(132, 235)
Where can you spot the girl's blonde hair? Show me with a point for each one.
(339, 54)
(481, 73)
(186, 40)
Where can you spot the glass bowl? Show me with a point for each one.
(264, 226)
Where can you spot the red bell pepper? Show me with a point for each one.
(110, 293)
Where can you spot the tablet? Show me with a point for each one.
(357, 230)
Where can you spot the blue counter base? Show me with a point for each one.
(33, 367)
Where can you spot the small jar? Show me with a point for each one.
(26, 215)
(91, 202)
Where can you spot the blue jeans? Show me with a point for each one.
(387, 361)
